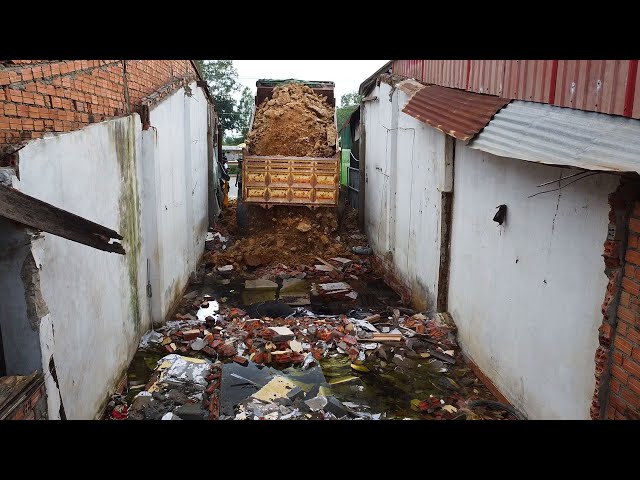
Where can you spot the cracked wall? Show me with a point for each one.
(526, 296)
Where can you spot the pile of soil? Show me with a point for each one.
(291, 237)
(294, 122)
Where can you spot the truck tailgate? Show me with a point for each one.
(280, 180)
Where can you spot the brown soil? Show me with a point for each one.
(294, 122)
(289, 236)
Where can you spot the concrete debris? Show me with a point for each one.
(342, 341)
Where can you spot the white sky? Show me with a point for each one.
(347, 74)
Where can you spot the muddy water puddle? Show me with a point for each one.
(400, 380)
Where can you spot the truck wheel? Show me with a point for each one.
(242, 217)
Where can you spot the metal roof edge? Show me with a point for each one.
(454, 112)
(553, 135)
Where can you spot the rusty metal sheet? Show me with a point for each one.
(543, 133)
(455, 112)
(594, 85)
(635, 102)
(528, 80)
(410, 86)
(35, 213)
(487, 76)
(447, 73)
(281, 180)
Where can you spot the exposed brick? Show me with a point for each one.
(617, 357)
(625, 297)
(636, 209)
(626, 314)
(619, 373)
(630, 286)
(631, 367)
(630, 397)
(616, 402)
(629, 270)
(634, 225)
(622, 344)
(633, 256)
(611, 412)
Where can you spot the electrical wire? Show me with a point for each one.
(567, 184)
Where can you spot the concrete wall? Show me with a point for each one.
(180, 162)
(405, 171)
(526, 296)
(151, 187)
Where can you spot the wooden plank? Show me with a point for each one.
(35, 213)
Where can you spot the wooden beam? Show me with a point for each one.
(35, 213)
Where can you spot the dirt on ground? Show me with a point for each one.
(292, 236)
(294, 122)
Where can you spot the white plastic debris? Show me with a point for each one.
(208, 311)
(150, 337)
(169, 416)
(364, 325)
(369, 346)
(308, 360)
(209, 237)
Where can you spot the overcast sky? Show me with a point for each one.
(347, 74)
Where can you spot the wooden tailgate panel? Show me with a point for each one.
(306, 181)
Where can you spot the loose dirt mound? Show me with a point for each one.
(281, 235)
(295, 122)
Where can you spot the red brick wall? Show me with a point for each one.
(624, 393)
(39, 96)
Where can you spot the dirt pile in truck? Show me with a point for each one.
(294, 122)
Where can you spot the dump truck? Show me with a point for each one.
(291, 156)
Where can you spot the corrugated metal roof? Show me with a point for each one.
(595, 85)
(447, 73)
(607, 86)
(561, 136)
(455, 112)
(487, 76)
(410, 87)
(528, 80)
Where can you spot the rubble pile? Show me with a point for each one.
(294, 122)
(279, 362)
(285, 236)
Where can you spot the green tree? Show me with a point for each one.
(222, 78)
(349, 102)
(245, 108)
(350, 99)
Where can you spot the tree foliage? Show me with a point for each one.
(245, 108)
(350, 99)
(222, 78)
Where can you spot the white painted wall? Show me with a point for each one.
(530, 326)
(404, 161)
(180, 157)
(149, 186)
(87, 291)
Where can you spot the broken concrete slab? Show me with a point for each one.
(278, 387)
(317, 403)
(191, 411)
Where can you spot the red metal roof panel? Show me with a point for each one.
(455, 112)
(594, 85)
(486, 76)
(528, 80)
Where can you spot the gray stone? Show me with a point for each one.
(317, 403)
(336, 407)
(285, 402)
(190, 411)
(177, 397)
(295, 394)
